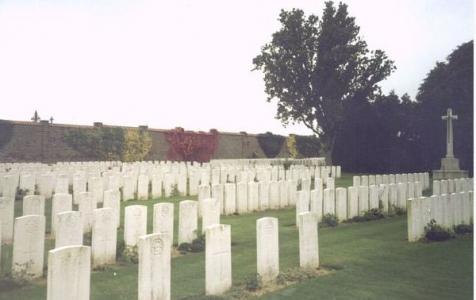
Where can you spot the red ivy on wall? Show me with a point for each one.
(190, 145)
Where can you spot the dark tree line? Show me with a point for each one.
(396, 134)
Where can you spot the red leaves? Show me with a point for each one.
(190, 145)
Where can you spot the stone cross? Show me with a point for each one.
(449, 117)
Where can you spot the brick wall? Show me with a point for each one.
(43, 142)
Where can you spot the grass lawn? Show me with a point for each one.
(372, 260)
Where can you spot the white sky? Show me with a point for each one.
(188, 63)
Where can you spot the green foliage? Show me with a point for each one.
(329, 220)
(434, 232)
(20, 193)
(102, 143)
(450, 84)
(6, 132)
(291, 144)
(307, 146)
(270, 144)
(313, 66)
(463, 229)
(130, 255)
(253, 282)
(137, 144)
(175, 192)
(370, 215)
(398, 211)
(110, 143)
(197, 245)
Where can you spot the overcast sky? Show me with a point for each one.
(188, 63)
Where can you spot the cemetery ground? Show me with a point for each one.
(368, 260)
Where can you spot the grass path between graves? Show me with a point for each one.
(373, 260)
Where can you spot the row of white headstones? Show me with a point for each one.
(69, 263)
(155, 182)
(450, 205)
(238, 197)
(68, 226)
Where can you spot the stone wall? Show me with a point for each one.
(44, 142)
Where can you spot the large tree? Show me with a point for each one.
(313, 67)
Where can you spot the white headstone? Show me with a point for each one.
(163, 219)
(135, 224)
(267, 248)
(69, 273)
(154, 267)
(69, 229)
(60, 203)
(104, 237)
(112, 199)
(242, 197)
(217, 259)
(341, 203)
(34, 205)
(363, 199)
(329, 202)
(308, 241)
(87, 204)
(28, 247)
(7, 210)
(230, 198)
(188, 221)
(253, 196)
(211, 213)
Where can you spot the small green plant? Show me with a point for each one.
(87, 238)
(370, 215)
(175, 192)
(120, 247)
(184, 248)
(330, 220)
(398, 210)
(198, 244)
(130, 254)
(21, 193)
(434, 232)
(463, 229)
(253, 282)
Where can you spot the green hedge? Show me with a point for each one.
(6, 132)
(271, 144)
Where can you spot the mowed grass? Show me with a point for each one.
(371, 260)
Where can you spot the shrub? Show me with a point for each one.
(330, 220)
(253, 282)
(130, 255)
(191, 146)
(291, 144)
(398, 210)
(103, 143)
(184, 247)
(175, 192)
(6, 132)
(434, 232)
(370, 215)
(21, 193)
(463, 229)
(137, 144)
(307, 146)
(270, 144)
(197, 245)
